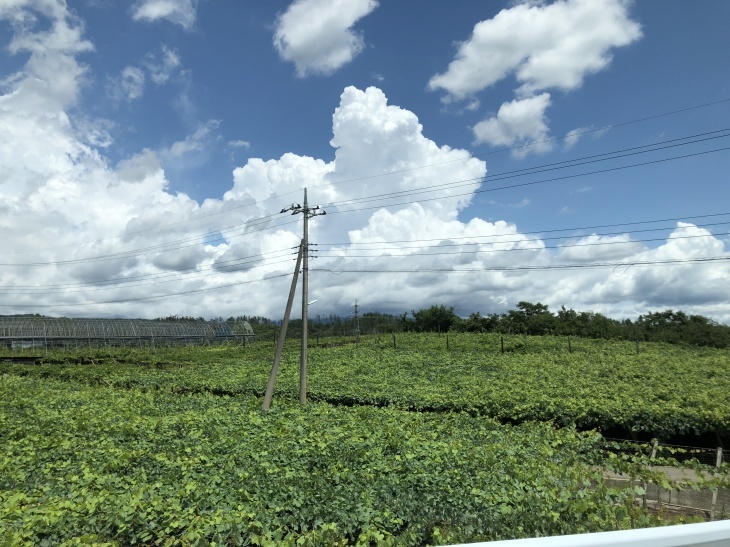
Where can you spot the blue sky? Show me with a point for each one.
(147, 148)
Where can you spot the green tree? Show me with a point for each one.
(434, 319)
(479, 323)
(566, 322)
(533, 319)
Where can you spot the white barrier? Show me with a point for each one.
(704, 534)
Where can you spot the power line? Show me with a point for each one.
(159, 227)
(611, 126)
(121, 280)
(533, 183)
(134, 253)
(47, 290)
(555, 230)
(377, 175)
(172, 245)
(560, 165)
(606, 156)
(515, 249)
(592, 265)
(143, 298)
(402, 270)
(126, 282)
(522, 146)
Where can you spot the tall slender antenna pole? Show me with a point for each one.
(305, 307)
(282, 333)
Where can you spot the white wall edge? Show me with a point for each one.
(704, 534)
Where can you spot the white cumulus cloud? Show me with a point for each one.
(520, 122)
(317, 35)
(543, 46)
(179, 12)
(595, 247)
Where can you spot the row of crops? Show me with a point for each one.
(660, 392)
(399, 446)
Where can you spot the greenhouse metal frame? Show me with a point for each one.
(23, 332)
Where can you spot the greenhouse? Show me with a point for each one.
(19, 332)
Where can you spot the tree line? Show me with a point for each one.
(674, 327)
(532, 319)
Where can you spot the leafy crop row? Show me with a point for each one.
(85, 464)
(661, 391)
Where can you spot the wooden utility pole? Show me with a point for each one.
(282, 333)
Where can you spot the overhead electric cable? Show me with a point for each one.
(494, 241)
(211, 272)
(377, 175)
(590, 265)
(143, 298)
(607, 156)
(125, 282)
(170, 246)
(118, 281)
(514, 249)
(611, 126)
(133, 253)
(522, 146)
(633, 223)
(127, 234)
(533, 183)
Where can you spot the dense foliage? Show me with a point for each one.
(661, 391)
(670, 326)
(404, 445)
(674, 327)
(82, 464)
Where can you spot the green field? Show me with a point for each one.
(412, 445)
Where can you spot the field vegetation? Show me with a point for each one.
(533, 319)
(413, 440)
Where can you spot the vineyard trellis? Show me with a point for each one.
(714, 501)
(46, 332)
